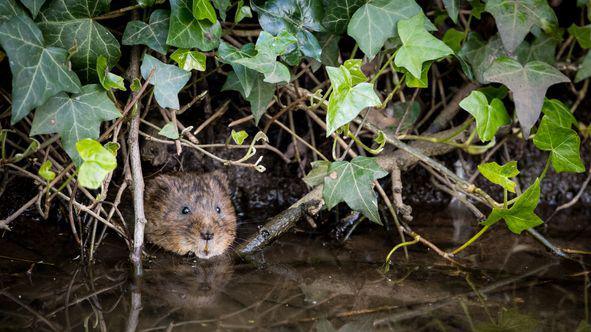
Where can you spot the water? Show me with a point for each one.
(301, 283)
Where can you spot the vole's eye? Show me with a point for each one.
(186, 210)
(218, 210)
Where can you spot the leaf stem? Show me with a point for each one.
(546, 167)
(398, 246)
(474, 238)
(505, 196)
(379, 73)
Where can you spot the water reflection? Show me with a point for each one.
(303, 284)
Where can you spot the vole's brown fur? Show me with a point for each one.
(190, 212)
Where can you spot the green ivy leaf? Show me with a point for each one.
(152, 34)
(584, 71)
(375, 22)
(563, 144)
(75, 117)
(222, 6)
(239, 136)
(146, 3)
(338, 13)
(453, 38)
(168, 80)
(170, 131)
(417, 82)
(38, 72)
(543, 48)
(521, 215)
(187, 32)
(260, 96)
(317, 173)
(9, 9)
(97, 163)
(352, 183)
(108, 80)
(265, 61)
(242, 12)
(418, 45)
(582, 34)
(500, 175)
(33, 6)
(330, 49)
(515, 19)
(406, 114)
(528, 83)
(453, 9)
(203, 10)
(489, 117)
(558, 113)
(247, 77)
(70, 24)
(479, 55)
(45, 171)
(298, 17)
(135, 85)
(189, 60)
(350, 95)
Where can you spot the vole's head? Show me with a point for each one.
(187, 212)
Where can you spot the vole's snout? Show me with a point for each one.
(207, 235)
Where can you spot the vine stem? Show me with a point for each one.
(474, 238)
(400, 245)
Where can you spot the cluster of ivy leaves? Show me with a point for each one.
(61, 57)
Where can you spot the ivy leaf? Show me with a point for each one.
(298, 17)
(70, 24)
(170, 131)
(317, 173)
(186, 32)
(203, 10)
(543, 48)
(265, 61)
(453, 38)
(338, 13)
(189, 60)
(242, 12)
(239, 136)
(108, 80)
(247, 77)
(222, 6)
(38, 72)
(146, 3)
(584, 71)
(8, 9)
(528, 83)
(418, 45)
(453, 9)
(558, 113)
(168, 80)
(352, 183)
(480, 55)
(563, 144)
(260, 96)
(350, 95)
(500, 175)
(582, 34)
(489, 117)
(75, 117)
(515, 18)
(152, 34)
(375, 22)
(521, 215)
(45, 171)
(33, 6)
(97, 163)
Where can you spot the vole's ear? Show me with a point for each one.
(159, 185)
(222, 178)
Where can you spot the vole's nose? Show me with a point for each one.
(207, 235)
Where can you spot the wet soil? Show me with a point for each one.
(301, 283)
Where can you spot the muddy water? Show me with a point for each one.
(301, 283)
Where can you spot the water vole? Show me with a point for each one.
(190, 212)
